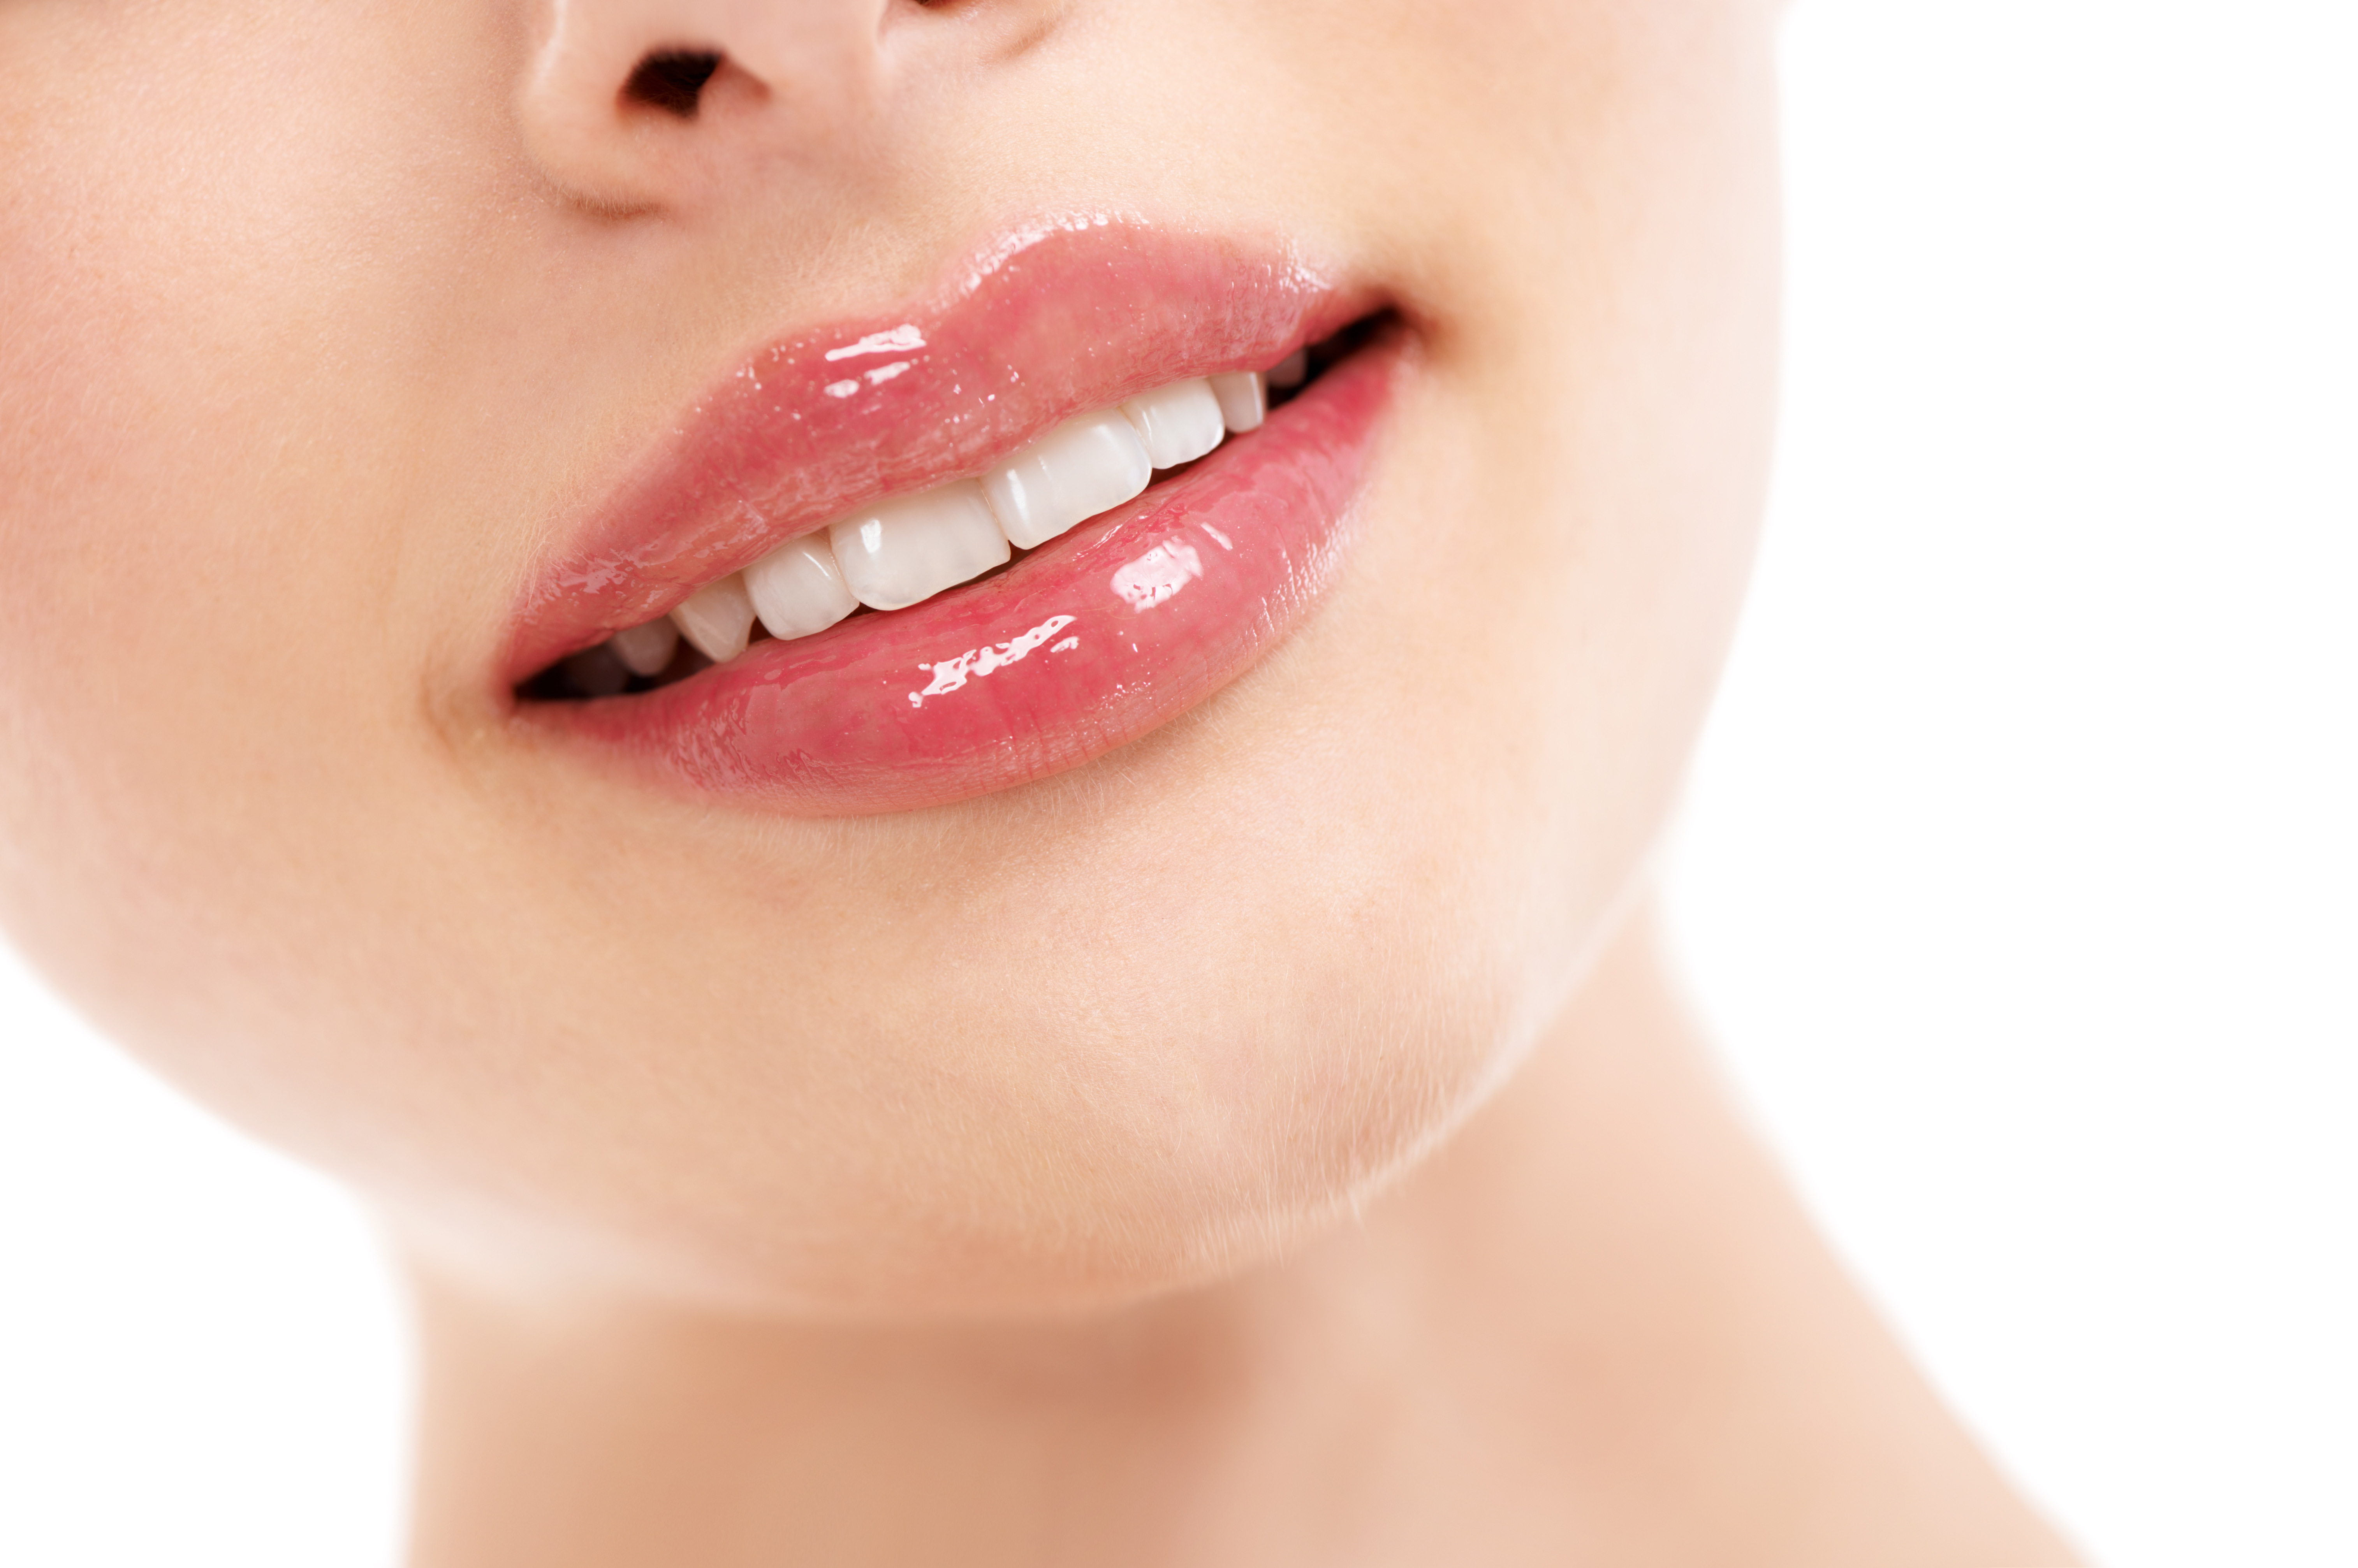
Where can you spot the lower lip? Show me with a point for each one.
(1085, 644)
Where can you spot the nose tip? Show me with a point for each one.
(629, 104)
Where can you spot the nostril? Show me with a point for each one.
(672, 79)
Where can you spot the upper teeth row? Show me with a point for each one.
(891, 554)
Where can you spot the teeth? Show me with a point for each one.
(717, 618)
(1289, 371)
(898, 552)
(646, 650)
(1244, 402)
(1179, 423)
(1076, 470)
(797, 588)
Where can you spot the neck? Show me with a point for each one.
(1595, 1327)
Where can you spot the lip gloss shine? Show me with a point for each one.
(1082, 645)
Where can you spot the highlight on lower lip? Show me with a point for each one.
(1081, 646)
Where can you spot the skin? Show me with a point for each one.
(1274, 1143)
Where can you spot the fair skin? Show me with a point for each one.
(1272, 1141)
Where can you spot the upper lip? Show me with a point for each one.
(1044, 323)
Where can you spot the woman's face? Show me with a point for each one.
(335, 340)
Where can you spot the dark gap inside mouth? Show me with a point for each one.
(600, 672)
(1327, 353)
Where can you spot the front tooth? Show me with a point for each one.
(897, 552)
(717, 618)
(1178, 422)
(1290, 371)
(797, 588)
(1075, 470)
(1244, 402)
(646, 650)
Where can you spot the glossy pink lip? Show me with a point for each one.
(1083, 645)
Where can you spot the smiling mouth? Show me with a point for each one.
(903, 551)
(903, 561)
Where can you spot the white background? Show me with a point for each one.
(2019, 870)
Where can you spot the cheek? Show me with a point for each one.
(207, 436)
(209, 439)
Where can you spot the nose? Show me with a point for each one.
(634, 103)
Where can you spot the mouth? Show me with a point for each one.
(899, 563)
